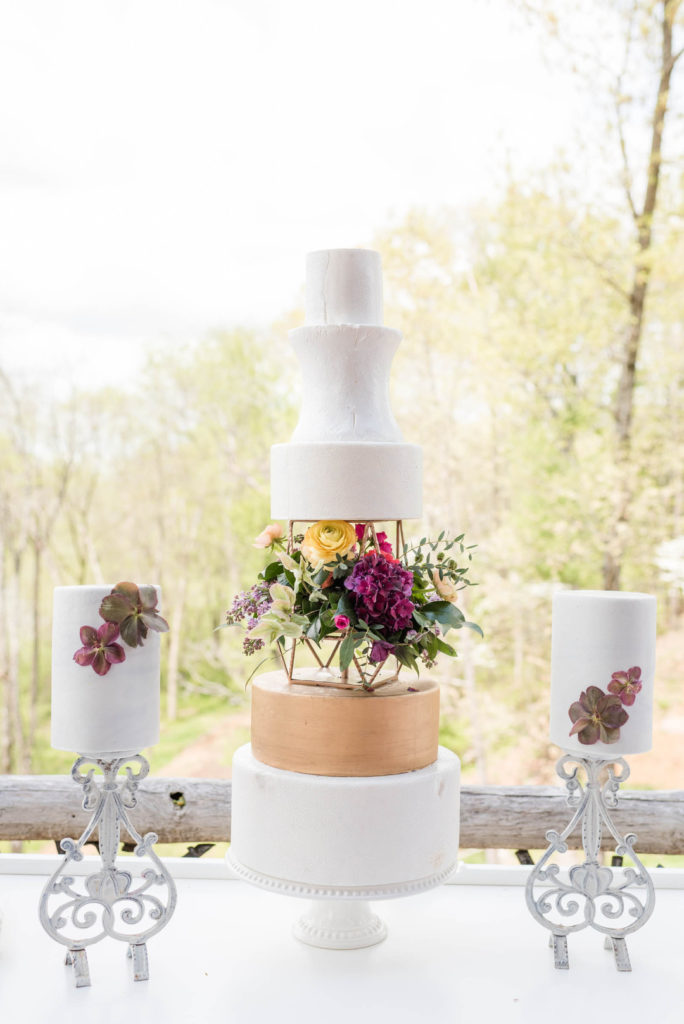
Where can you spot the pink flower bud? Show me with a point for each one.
(341, 622)
(268, 535)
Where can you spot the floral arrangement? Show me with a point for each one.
(598, 715)
(343, 582)
(129, 612)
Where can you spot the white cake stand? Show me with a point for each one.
(342, 842)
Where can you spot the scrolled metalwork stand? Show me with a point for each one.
(113, 903)
(593, 897)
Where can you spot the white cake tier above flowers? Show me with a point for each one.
(347, 458)
(602, 672)
(105, 669)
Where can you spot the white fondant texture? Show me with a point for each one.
(313, 830)
(116, 713)
(346, 481)
(343, 286)
(345, 384)
(596, 633)
(346, 459)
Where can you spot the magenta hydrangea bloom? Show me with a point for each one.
(382, 590)
(99, 648)
(626, 685)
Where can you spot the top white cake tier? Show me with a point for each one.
(343, 286)
(603, 639)
(114, 714)
(346, 459)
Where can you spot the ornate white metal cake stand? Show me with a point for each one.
(339, 917)
(594, 895)
(79, 911)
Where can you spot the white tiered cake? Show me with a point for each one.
(346, 459)
(337, 833)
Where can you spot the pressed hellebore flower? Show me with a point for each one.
(626, 685)
(134, 610)
(597, 716)
(99, 648)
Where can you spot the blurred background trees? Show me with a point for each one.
(542, 371)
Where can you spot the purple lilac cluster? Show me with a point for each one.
(382, 591)
(249, 606)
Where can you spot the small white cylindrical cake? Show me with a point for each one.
(112, 714)
(602, 672)
(345, 833)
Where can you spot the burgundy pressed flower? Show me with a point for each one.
(100, 650)
(597, 716)
(134, 610)
(626, 685)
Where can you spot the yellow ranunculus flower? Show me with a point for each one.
(328, 538)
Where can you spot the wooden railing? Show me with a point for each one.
(198, 811)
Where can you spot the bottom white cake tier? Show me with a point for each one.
(327, 836)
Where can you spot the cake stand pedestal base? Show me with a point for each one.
(338, 917)
(79, 911)
(340, 924)
(594, 896)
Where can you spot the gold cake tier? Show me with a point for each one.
(318, 730)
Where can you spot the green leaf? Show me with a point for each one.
(474, 626)
(346, 652)
(404, 657)
(444, 612)
(314, 630)
(445, 648)
(272, 571)
(345, 606)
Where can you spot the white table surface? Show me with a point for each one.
(467, 952)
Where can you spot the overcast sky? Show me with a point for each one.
(164, 166)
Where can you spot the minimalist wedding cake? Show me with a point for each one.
(344, 791)
(602, 672)
(105, 693)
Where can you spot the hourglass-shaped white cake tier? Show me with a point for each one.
(346, 459)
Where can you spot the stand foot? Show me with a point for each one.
(619, 947)
(78, 959)
(559, 945)
(141, 968)
(340, 924)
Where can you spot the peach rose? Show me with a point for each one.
(445, 588)
(268, 535)
(328, 538)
